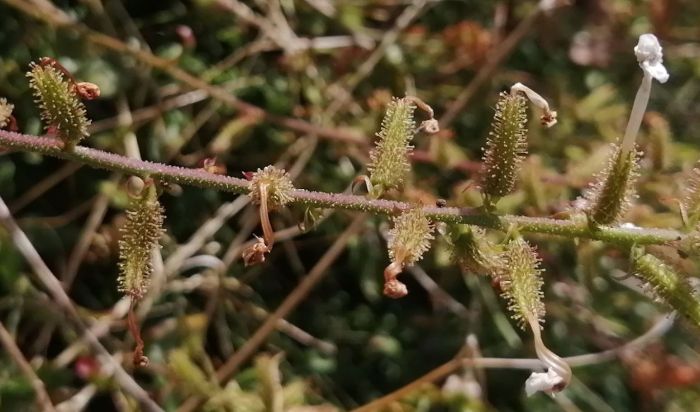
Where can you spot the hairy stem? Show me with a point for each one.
(201, 178)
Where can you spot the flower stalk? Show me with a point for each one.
(650, 57)
(269, 188)
(558, 375)
(430, 125)
(521, 285)
(613, 192)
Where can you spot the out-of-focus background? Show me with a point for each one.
(168, 70)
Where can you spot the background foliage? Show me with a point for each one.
(363, 345)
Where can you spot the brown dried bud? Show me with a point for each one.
(87, 90)
(212, 166)
(393, 288)
(255, 253)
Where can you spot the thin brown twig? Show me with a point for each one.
(293, 331)
(145, 114)
(62, 219)
(138, 359)
(99, 209)
(290, 303)
(42, 397)
(495, 59)
(43, 186)
(50, 14)
(410, 13)
(438, 295)
(55, 289)
(656, 331)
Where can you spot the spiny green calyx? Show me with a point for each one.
(609, 197)
(389, 165)
(139, 237)
(272, 185)
(408, 240)
(691, 197)
(5, 112)
(474, 251)
(61, 108)
(668, 285)
(506, 146)
(521, 283)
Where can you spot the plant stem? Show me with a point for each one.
(62, 300)
(659, 329)
(198, 177)
(43, 399)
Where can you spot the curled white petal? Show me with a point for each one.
(650, 57)
(548, 382)
(549, 117)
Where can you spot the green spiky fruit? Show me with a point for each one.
(389, 165)
(140, 235)
(61, 108)
(613, 191)
(5, 112)
(521, 283)
(506, 146)
(278, 186)
(410, 237)
(669, 286)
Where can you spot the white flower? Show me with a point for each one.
(549, 382)
(650, 57)
(549, 117)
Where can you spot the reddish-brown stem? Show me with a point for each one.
(139, 359)
(393, 287)
(12, 124)
(49, 61)
(268, 233)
